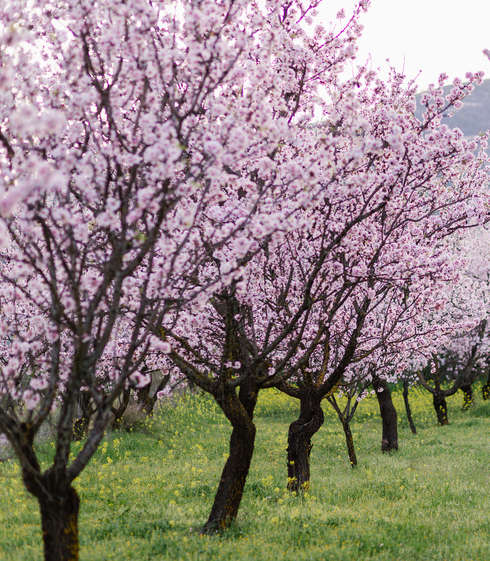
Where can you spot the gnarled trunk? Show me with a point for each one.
(467, 396)
(440, 407)
(389, 439)
(299, 441)
(407, 408)
(350, 443)
(239, 410)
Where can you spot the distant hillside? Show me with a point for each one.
(474, 116)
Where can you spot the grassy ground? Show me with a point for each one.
(145, 494)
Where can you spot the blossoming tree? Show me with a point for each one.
(463, 354)
(247, 336)
(399, 262)
(137, 139)
(367, 257)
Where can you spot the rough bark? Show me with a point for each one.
(59, 518)
(407, 408)
(239, 410)
(299, 442)
(59, 506)
(440, 407)
(467, 396)
(350, 444)
(389, 439)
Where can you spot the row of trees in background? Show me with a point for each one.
(192, 188)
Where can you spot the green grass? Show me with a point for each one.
(146, 494)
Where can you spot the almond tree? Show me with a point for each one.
(247, 336)
(463, 354)
(137, 139)
(367, 256)
(456, 369)
(353, 394)
(398, 264)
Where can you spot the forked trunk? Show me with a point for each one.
(239, 411)
(467, 396)
(299, 442)
(440, 406)
(407, 408)
(59, 519)
(149, 400)
(389, 439)
(350, 443)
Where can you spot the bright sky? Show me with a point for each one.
(433, 36)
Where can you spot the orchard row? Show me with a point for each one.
(195, 188)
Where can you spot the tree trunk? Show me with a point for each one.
(389, 440)
(147, 400)
(239, 411)
(59, 506)
(58, 501)
(407, 407)
(59, 518)
(467, 396)
(440, 406)
(350, 443)
(299, 442)
(81, 424)
(119, 409)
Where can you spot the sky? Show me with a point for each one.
(431, 36)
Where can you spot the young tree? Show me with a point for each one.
(375, 371)
(375, 374)
(353, 394)
(406, 379)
